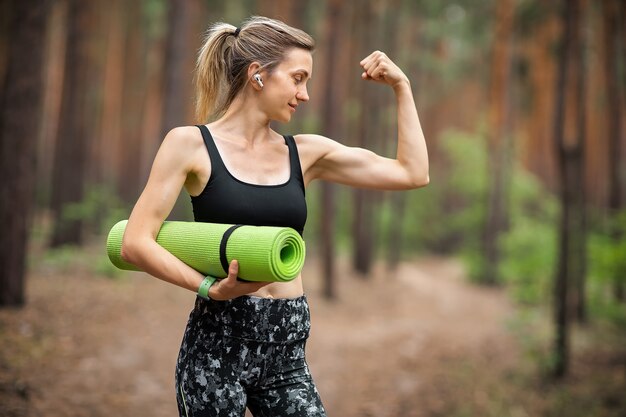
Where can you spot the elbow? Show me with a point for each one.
(128, 251)
(421, 181)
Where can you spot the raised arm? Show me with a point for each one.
(174, 164)
(363, 168)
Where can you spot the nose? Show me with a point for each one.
(302, 94)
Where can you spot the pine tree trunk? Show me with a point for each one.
(177, 87)
(20, 108)
(396, 238)
(113, 93)
(75, 127)
(408, 34)
(497, 139)
(54, 68)
(132, 104)
(610, 9)
(331, 122)
(177, 97)
(569, 128)
(363, 227)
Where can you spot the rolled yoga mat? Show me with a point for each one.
(264, 253)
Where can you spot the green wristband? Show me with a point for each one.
(203, 291)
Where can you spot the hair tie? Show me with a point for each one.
(237, 32)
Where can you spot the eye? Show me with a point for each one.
(298, 79)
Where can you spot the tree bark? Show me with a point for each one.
(396, 237)
(498, 138)
(113, 94)
(362, 226)
(74, 127)
(20, 108)
(54, 68)
(177, 54)
(610, 17)
(409, 33)
(179, 59)
(134, 91)
(568, 139)
(330, 119)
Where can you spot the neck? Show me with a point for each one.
(244, 121)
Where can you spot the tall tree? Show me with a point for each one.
(539, 38)
(56, 38)
(569, 140)
(75, 127)
(181, 42)
(330, 117)
(610, 17)
(134, 91)
(408, 34)
(363, 225)
(113, 94)
(20, 102)
(498, 138)
(178, 55)
(154, 95)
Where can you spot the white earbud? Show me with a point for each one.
(258, 80)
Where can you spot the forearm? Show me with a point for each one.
(412, 153)
(152, 258)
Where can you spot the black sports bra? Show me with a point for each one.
(225, 199)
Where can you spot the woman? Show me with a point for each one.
(244, 342)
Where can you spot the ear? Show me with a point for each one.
(255, 68)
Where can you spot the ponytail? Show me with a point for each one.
(210, 69)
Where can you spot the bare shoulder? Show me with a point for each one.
(311, 149)
(184, 138)
(314, 147)
(182, 146)
(182, 150)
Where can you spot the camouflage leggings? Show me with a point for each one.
(246, 352)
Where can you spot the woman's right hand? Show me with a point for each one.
(230, 287)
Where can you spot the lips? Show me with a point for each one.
(293, 106)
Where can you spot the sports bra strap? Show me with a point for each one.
(294, 159)
(214, 154)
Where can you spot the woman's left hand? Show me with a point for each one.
(378, 67)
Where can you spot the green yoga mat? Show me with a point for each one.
(264, 253)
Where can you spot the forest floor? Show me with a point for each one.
(420, 342)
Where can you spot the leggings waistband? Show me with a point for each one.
(271, 320)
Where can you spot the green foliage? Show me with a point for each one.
(534, 336)
(608, 254)
(100, 209)
(529, 255)
(154, 16)
(448, 217)
(62, 259)
(68, 259)
(607, 270)
(529, 248)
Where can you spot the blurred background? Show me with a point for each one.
(497, 290)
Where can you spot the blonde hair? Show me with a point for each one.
(223, 59)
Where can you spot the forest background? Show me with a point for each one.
(521, 103)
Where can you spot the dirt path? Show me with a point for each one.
(402, 345)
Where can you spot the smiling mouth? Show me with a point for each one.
(293, 106)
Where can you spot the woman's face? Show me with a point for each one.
(286, 87)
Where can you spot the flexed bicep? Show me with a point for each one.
(357, 167)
